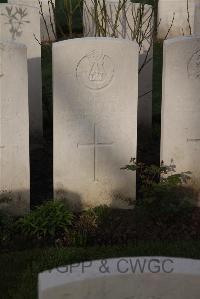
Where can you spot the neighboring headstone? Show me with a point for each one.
(133, 21)
(20, 23)
(180, 131)
(104, 21)
(14, 129)
(197, 20)
(95, 120)
(88, 19)
(123, 278)
(140, 26)
(115, 26)
(47, 22)
(175, 16)
(119, 18)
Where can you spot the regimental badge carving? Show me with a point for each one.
(16, 19)
(95, 70)
(194, 66)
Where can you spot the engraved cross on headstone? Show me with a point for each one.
(94, 145)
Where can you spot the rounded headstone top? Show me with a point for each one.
(178, 39)
(9, 44)
(12, 3)
(94, 39)
(118, 266)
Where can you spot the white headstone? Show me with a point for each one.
(180, 140)
(177, 16)
(88, 19)
(119, 18)
(95, 84)
(110, 18)
(14, 129)
(20, 23)
(123, 278)
(47, 22)
(139, 24)
(115, 26)
(197, 20)
(133, 21)
(139, 19)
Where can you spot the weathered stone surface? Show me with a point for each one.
(14, 129)
(95, 120)
(180, 139)
(176, 16)
(197, 20)
(20, 23)
(122, 278)
(47, 22)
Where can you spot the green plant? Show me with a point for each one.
(85, 227)
(47, 221)
(6, 228)
(150, 176)
(161, 189)
(102, 212)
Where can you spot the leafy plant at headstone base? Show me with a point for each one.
(115, 226)
(162, 191)
(102, 212)
(6, 228)
(48, 222)
(85, 228)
